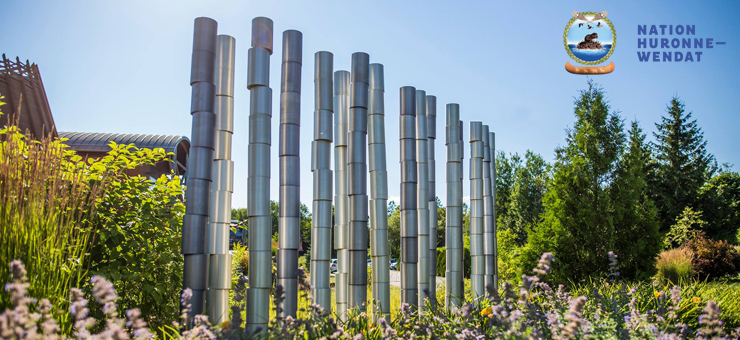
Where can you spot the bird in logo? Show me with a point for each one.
(599, 16)
(598, 24)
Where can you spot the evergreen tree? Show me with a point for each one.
(505, 178)
(578, 226)
(719, 202)
(683, 163)
(525, 200)
(637, 238)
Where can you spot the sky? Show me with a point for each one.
(124, 66)
(577, 33)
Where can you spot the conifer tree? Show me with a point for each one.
(683, 163)
(578, 223)
(637, 238)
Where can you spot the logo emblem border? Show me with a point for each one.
(567, 49)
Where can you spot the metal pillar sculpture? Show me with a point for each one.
(357, 180)
(289, 223)
(258, 177)
(453, 225)
(461, 144)
(197, 196)
(477, 271)
(432, 201)
(492, 145)
(422, 205)
(409, 213)
(341, 200)
(487, 212)
(322, 178)
(378, 195)
(217, 232)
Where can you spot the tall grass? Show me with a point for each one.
(45, 202)
(674, 265)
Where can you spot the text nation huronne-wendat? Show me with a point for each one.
(676, 39)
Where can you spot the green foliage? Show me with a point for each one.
(394, 231)
(633, 211)
(683, 231)
(442, 260)
(596, 200)
(47, 196)
(305, 230)
(712, 259)
(240, 214)
(674, 266)
(137, 244)
(508, 256)
(524, 185)
(241, 258)
(719, 202)
(683, 163)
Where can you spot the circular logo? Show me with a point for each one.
(589, 37)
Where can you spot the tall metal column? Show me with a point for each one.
(289, 223)
(341, 205)
(378, 195)
(322, 178)
(432, 201)
(461, 144)
(357, 189)
(453, 225)
(487, 211)
(409, 213)
(197, 195)
(422, 205)
(477, 271)
(258, 176)
(492, 145)
(217, 232)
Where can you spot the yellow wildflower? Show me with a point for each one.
(656, 294)
(486, 312)
(225, 324)
(696, 299)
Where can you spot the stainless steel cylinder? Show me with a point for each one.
(378, 195)
(341, 208)
(492, 261)
(410, 100)
(422, 197)
(217, 233)
(258, 176)
(322, 183)
(357, 188)
(453, 224)
(477, 282)
(289, 151)
(202, 81)
(431, 114)
(487, 211)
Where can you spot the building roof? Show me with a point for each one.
(98, 141)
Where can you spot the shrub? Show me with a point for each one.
(674, 265)
(241, 257)
(712, 259)
(682, 231)
(139, 223)
(508, 251)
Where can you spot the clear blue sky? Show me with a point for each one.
(124, 66)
